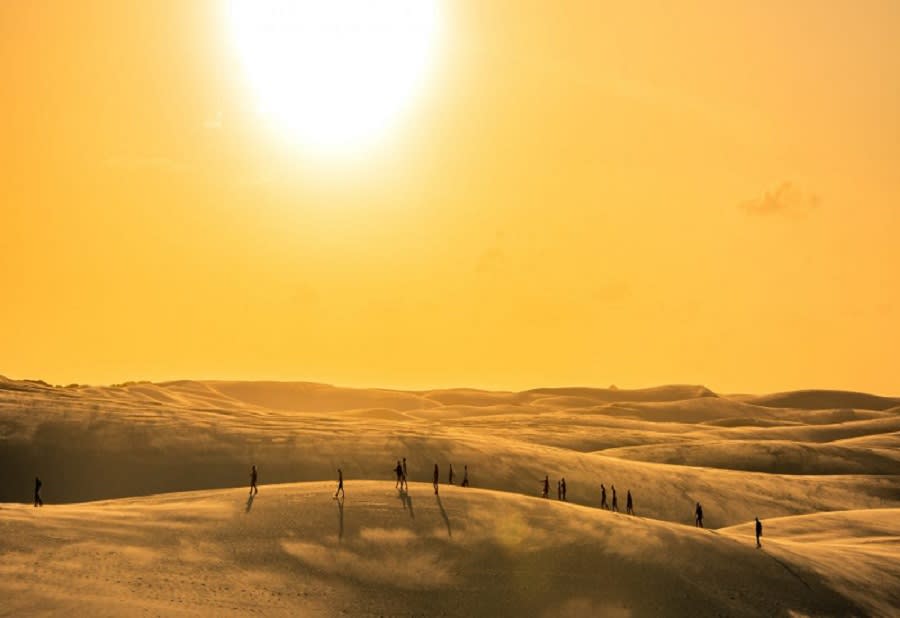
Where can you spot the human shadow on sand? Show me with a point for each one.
(249, 504)
(340, 504)
(406, 500)
(444, 514)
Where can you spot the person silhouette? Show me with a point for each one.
(559, 490)
(254, 475)
(546, 492)
(629, 503)
(450, 478)
(340, 487)
(698, 516)
(563, 483)
(465, 482)
(603, 503)
(615, 500)
(436, 477)
(399, 471)
(405, 475)
(37, 492)
(758, 532)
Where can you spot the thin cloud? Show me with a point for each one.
(785, 199)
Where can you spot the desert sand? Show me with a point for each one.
(147, 510)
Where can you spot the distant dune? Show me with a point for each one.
(773, 456)
(673, 446)
(309, 397)
(823, 399)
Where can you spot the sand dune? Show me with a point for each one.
(774, 456)
(823, 399)
(671, 446)
(854, 552)
(309, 397)
(471, 552)
(677, 392)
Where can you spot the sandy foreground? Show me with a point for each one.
(143, 516)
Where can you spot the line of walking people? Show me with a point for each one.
(402, 473)
(614, 507)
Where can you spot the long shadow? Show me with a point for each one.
(444, 514)
(340, 503)
(249, 504)
(406, 500)
(788, 569)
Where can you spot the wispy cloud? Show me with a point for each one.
(786, 198)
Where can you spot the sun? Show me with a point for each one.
(335, 75)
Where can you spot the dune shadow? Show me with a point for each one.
(789, 570)
(340, 503)
(406, 501)
(249, 504)
(444, 514)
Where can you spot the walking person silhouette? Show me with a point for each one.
(698, 516)
(405, 475)
(563, 484)
(399, 471)
(254, 475)
(603, 503)
(436, 477)
(546, 492)
(37, 492)
(451, 474)
(758, 532)
(615, 500)
(629, 503)
(340, 487)
(559, 490)
(465, 482)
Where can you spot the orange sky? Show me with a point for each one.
(629, 193)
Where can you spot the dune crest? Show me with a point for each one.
(470, 552)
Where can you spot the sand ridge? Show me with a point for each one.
(463, 552)
(671, 446)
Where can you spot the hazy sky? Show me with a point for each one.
(585, 193)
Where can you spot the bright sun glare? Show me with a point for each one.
(335, 75)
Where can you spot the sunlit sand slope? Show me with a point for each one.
(857, 553)
(295, 551)
(138, 439)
